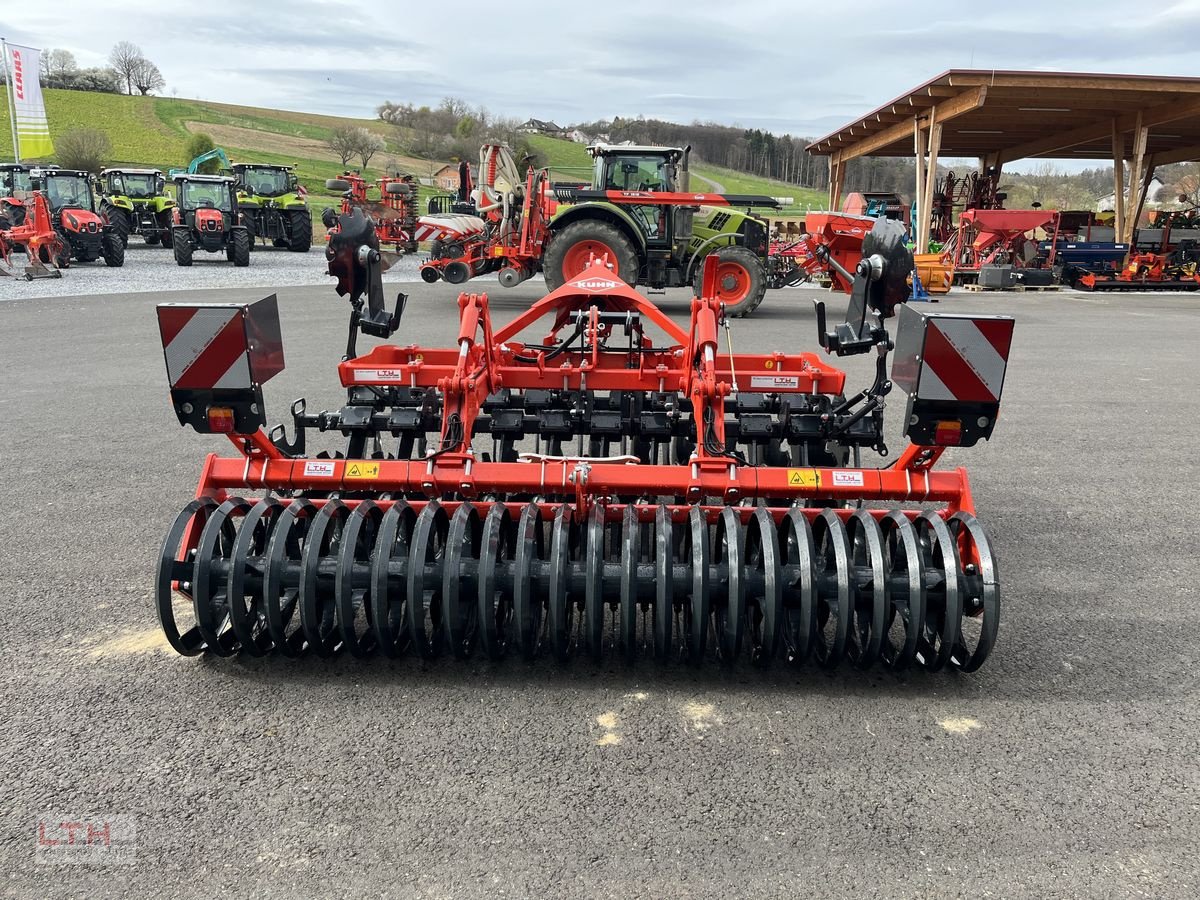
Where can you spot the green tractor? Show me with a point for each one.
(663, 241)
(272, 205)
(135, 201)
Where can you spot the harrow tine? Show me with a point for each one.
(833, 588)
(460, 589)
(729, 612)
(906, 590)
(696, 611)
(766, 591)
(627, 611)
(389, 579)
(495, 590)
(943, 603)
(174, 571)
(530, 552)
(281, 582)
(981, 592)
(560, 604)
(799, 585)
(352, 583)
(664, 594)
(249, 622)
(425, 606)
(210, 589)
(870, 597)
(318, 607)
(593, 588)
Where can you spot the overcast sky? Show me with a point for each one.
(798, 67)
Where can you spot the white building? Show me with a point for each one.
(1109, 203)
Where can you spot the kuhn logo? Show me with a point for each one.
(18, 74)
(596, 284)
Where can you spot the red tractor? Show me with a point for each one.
(86, 237)
(207, 218)
(394, 213)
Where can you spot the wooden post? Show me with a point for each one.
(1141, 136)
(835, 181)
(935, 144)
(1143, 183)
(919, 226)
(1118, 147)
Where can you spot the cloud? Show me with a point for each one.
(803, 69)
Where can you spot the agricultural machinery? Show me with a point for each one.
(1178, 271)
(273, 207)
(621, 486)
(15, 182)
(637, 211)
(84, 235)
(1009, 237)
(135, 201)
(959, 193)
(210, 162)
(206, 218)
(35, 236)
(394, 212)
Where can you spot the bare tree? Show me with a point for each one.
(366, 145)
(343, 142)
(57, 65)
(125, 59)
(147, 78)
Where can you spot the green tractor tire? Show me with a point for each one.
(301, 230)
(118, 219)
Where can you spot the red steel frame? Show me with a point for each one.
(484, 361)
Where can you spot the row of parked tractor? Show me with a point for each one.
(58, 216)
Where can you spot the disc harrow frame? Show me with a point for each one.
(677, 504)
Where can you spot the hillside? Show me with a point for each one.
(152, 131)
(568, 160)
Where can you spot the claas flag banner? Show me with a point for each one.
(28, 109)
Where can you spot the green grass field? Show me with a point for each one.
(152, 131)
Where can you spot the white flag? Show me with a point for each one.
(33, 130)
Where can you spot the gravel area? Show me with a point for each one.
(154, 269)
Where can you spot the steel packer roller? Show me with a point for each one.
(624, 488)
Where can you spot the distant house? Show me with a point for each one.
(579, 137)
(446, 178)
(537, 126)
(1109, 203)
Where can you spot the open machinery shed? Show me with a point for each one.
(1001, 116)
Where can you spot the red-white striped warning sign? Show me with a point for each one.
(205, 347)
(965, 359)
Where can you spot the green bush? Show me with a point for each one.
(196, 145)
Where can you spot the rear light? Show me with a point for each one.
(220, 420)
(948, 433)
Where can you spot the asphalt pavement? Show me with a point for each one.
(1066, 767)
